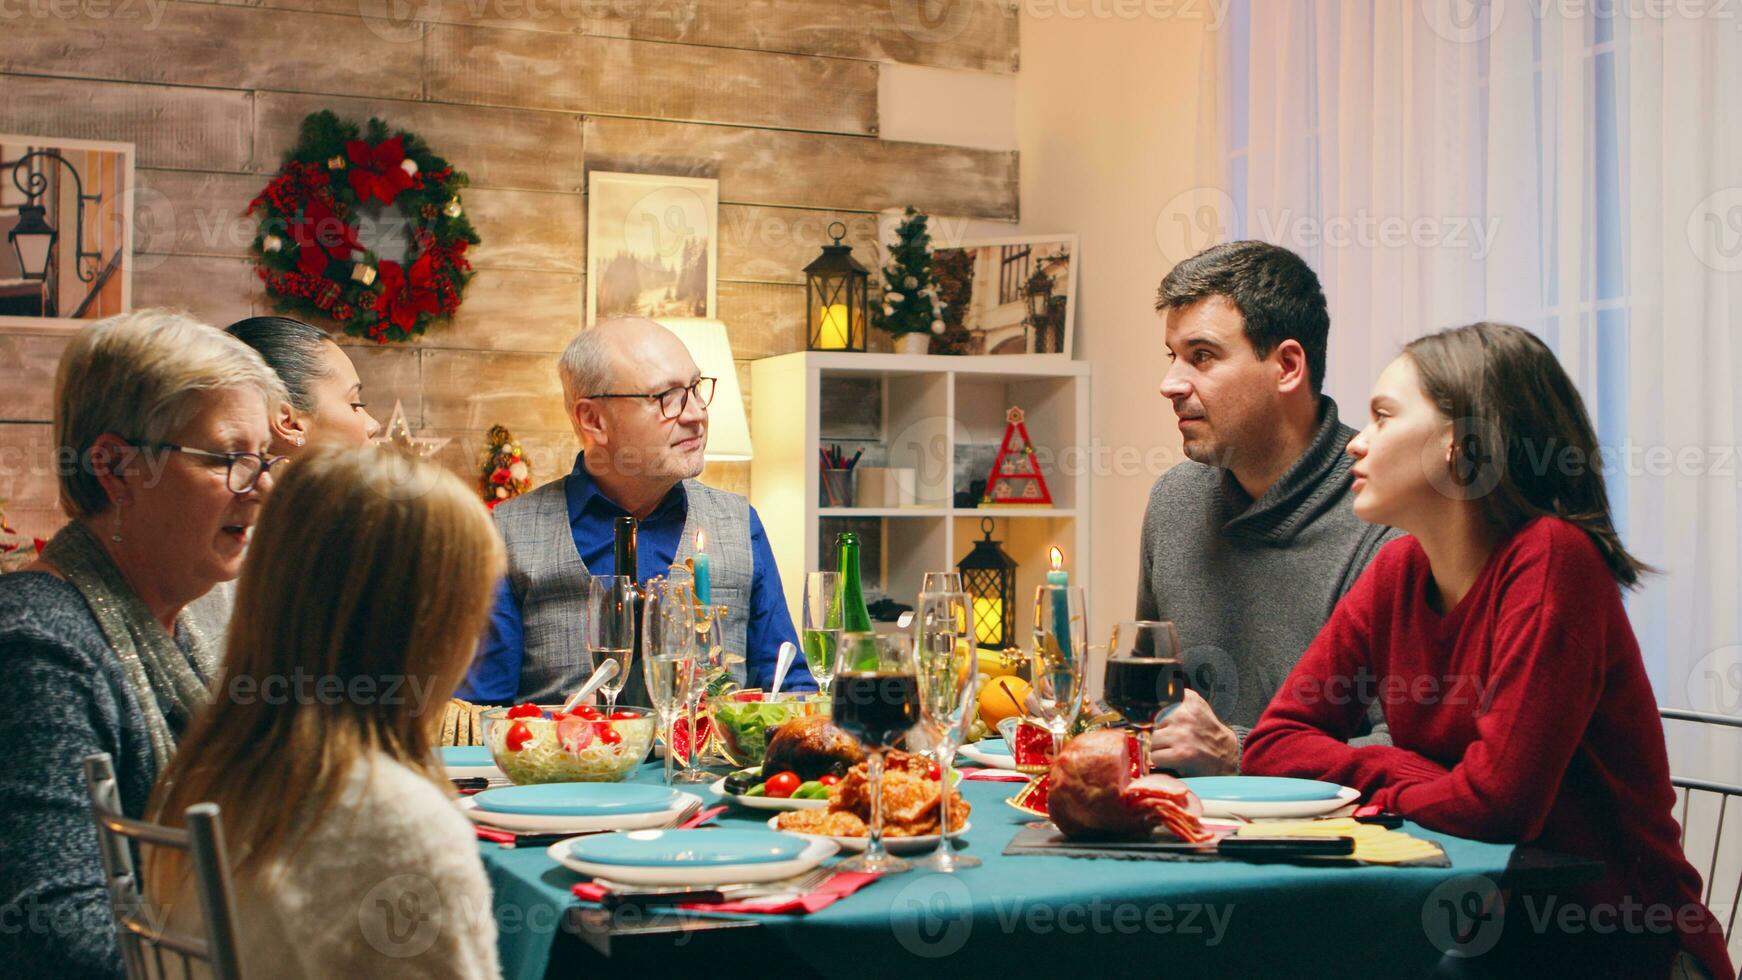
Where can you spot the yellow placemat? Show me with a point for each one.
(1373, 844)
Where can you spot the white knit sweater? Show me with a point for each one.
(388, 885)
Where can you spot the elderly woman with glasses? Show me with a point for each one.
(162, 428)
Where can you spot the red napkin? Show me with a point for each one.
(701, 817)
(825, 895)
(499, 836)
(995, 775)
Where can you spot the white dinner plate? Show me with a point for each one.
(545, 823)
(767, 803)
(1255, 810)
(894, 845)
(469, 762)
(819, 849)
(994, 760)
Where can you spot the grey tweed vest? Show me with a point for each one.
(549, 580)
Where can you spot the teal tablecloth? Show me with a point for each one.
(1060, 917)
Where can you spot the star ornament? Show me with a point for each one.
(398, 436)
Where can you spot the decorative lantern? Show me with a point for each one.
(1039, 292)
(836, 305)
(33, 237)
(989, 578)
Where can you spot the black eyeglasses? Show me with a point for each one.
(673, 401)
(245, 469)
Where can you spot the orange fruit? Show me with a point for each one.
(1002, 698)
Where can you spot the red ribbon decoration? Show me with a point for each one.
(403, 297)
(378, 170)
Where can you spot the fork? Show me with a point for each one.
(689, 811)
(791, 886)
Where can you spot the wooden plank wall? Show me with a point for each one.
(777, 99)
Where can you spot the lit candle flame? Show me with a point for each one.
(1057, 556)
(702, 541)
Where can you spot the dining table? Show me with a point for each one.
(1033, 915)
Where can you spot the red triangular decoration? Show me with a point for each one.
(1015, 478)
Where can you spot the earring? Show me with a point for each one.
(115, 536)
(299, 439)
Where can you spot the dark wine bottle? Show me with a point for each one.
(624, 558)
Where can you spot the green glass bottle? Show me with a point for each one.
(855, 618)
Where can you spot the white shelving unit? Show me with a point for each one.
(930, 414)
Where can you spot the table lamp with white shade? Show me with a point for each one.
(728, 429)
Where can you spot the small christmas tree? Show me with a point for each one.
(506, 473)
(910, 304)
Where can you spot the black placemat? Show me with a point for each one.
(1045, 839)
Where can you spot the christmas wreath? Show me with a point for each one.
(308, 247)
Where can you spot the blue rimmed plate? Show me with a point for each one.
(810, 852)
(1264, 797)
(991, 752)
(688, 848)
(544, 823)
(577, 799)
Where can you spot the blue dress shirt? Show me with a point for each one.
(495, 673)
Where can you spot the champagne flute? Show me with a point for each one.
(1144, 675)
(669, 662)
(706, 624)
(877, 701)
(1060, 650)
(940, 582)
(946, 663)
(611, 629)
(822, 625)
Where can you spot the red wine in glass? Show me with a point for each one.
(876, 708)
(1139, 688)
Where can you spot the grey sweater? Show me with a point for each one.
(1249, 583)
(64, 698)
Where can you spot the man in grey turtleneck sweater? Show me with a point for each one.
(1249, 544)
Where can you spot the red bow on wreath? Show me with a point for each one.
(404, 297)
(378, 170)
(321, 236)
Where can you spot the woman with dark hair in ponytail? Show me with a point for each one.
(326, 396)
(1495, 639)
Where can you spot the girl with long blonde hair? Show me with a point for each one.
(362, 599)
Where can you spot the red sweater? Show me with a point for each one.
(1522, 715)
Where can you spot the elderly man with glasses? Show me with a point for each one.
(640, 407)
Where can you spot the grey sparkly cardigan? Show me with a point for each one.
(63, 697)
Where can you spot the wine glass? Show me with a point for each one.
(946, 663)
(668, 663)
(611, 629)
(707, 626)
(1144, 675)
(1060, 650)
(941, 582)
(822, 625)
(876, 702)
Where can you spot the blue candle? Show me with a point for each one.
(1061, 600)
(704, 581)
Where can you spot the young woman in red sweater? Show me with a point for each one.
(1495, 640)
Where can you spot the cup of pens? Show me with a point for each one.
(837, 481)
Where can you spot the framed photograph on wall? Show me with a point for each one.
(651, 245)
(1009, 295)
(66, 232)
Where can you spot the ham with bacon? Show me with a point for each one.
(1092, 794)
